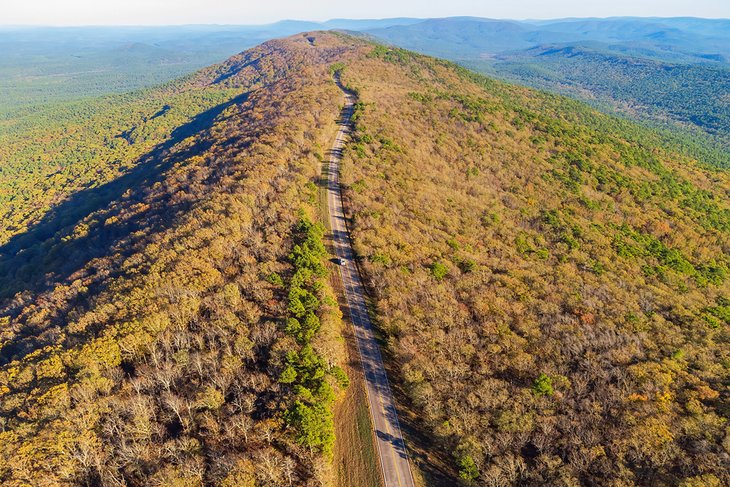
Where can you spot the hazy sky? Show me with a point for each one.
(157, 12)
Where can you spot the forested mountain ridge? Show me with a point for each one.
(551, 283)
(47, 69)
(688, 95)
(668, 72)
(148, 321)
(41, 66)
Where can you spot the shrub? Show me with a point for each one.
(467, 468)
(337, 68)
(543, 385)
(439, 270)
(340, 376)
(467, 265)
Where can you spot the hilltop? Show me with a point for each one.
(551, 283)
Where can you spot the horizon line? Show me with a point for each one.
(323, 22)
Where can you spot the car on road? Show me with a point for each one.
(340, 261)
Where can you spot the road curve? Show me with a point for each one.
(390, 445)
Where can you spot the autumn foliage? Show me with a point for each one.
(552, 285)
(143, 325)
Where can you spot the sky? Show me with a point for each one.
(169, 12)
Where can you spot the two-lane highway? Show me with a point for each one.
(391, 447)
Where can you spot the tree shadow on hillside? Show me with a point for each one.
(49, 252)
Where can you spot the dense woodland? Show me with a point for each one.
(552, 284)
(668, 73)
(691, 100)
(46, 67)
(553, 288)
(688, 93)
(169, 323)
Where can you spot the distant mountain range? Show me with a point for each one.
(42, 65)
(465, 37)
(670, 72)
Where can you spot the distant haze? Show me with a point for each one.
(169, 12)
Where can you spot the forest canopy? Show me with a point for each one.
(552, 284)
(159, 245)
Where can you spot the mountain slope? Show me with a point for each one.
(669, 73)
(553, 285)
(689, 95)
(143, 337)
(54, 65)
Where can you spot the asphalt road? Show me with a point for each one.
(390, 445)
